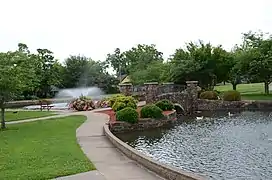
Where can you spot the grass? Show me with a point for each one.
(42, 150)
(21, 115)
(254, 91)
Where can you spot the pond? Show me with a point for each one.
(218, 147)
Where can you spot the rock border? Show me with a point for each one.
(143, 123)
(165, 171)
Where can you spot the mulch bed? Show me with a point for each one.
(111, 113)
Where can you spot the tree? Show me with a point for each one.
(155, 72)
(137, 58)
(140, 57)
(16, 76)
(82, 71)
(118, 62)
(46, 71)
(199, 61)
(258, 62)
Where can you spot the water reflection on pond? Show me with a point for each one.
(219, 147)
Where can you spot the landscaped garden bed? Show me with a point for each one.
(126, 116)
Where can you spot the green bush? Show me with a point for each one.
(165, 105)
(211, 95)
(113, 98)
(232, 96)
(127, 114)
(151, 111)
(123, 102)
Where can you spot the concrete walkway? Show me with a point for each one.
(110, 163)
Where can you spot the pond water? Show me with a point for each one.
(218, 147)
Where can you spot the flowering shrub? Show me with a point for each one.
(82, 104)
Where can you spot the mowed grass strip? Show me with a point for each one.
(254, 91)
(42, 150)
(22, 115)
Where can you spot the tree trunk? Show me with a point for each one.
(3, 123)
(224, 82)
(266, 87)
(234, 86)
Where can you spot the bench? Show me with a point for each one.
(45, 105)
(48, 107)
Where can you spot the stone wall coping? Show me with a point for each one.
(165, 171)
(168, 83)
(126, 84)
(191, 82)
(151, 83)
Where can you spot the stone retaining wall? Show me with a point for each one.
(213, 105)
(165, 171)
(143, 124)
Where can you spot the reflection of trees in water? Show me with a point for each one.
(148, 136)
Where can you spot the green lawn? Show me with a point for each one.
(20, 115)
(42, 150)
(254, 91)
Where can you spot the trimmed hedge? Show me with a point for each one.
(232, 96)
(123, 102)
(151, 111)
(210, 95)
(127, 114)
(165, 105)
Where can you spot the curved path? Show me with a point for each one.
(110, 163)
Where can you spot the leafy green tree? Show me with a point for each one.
(118, 62)
(46, 71)
(83, 71)
(141, 56)
(74, 69)
(155, 72)
(137, 58)
(199, 61)
(16, 75)
(257, 63)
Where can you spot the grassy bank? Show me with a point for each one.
(21, 115)
(254, 91)
(42, 150)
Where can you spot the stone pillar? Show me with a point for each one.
(126, 89)
(151, 91)
(193, 95)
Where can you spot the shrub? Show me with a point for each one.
(232, 96)
(113, 98)
(151, 111)
(82, 104)
(211, 95)
(165, 105)
(127, 114)
(123, 102)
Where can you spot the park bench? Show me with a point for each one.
(45, 105)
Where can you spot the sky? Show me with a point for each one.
(95, 28)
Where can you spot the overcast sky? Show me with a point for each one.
(96, 27)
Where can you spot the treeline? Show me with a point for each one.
(248, 62)
(28, 75)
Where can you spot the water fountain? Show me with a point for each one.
(66, 95)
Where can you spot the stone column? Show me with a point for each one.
(126, 89)
(193, 95)
(151, 91)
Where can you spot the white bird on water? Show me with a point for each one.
(199, 118)
(230, 114)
